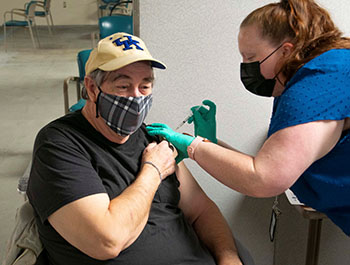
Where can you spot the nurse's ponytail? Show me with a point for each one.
(315, 33)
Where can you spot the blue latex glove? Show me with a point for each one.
(179, 140)
(204, 120)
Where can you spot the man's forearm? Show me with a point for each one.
(130, 210)
(102, 228)
(213, 230)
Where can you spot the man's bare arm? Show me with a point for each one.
(206, 218)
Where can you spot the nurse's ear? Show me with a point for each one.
(287, 49)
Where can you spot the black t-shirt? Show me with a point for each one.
(72, 160)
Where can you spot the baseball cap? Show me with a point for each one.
(117, 51)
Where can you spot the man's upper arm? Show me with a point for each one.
(193, 200)
(65, 189)
(83, 223)
(60, 174)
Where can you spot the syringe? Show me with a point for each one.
(186, 119)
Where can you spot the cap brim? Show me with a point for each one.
(158, 64)
(118, 63)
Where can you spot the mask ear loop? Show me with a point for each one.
(276, 76)
(97, 100)
(271, 54)
(279, 81)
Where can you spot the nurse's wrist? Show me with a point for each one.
(191, 149)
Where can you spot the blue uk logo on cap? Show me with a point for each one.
(128, 43)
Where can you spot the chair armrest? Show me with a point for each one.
(23, 182)
(15, 12)
(65, 90)
(12, 13)
(5, 13)
(94, 37)
(18, 9)
(40, 4)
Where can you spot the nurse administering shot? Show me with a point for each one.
(291, 51)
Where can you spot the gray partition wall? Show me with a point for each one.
(197, 40)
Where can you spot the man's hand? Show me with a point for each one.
(204, 121)
(180, 141)
(161, 155)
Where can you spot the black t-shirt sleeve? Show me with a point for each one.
(61, 173)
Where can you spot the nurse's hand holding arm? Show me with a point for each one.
(180, 141)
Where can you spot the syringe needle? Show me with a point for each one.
(186, 119)
(180, 125)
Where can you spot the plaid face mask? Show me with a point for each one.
(124, 115)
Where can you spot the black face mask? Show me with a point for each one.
(254, 81)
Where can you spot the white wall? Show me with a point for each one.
(197, 40)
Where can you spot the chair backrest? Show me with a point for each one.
(110, 1)
(122, 8)
(82, 58)
(113, 24)
(30, 10)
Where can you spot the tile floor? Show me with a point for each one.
(31, 82)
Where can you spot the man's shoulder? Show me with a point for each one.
(71, 119)
(60, 128)
(143, 131)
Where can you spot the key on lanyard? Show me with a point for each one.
(276, 212)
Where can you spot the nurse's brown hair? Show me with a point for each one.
(302, 22)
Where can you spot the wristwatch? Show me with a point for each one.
(192, 147)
